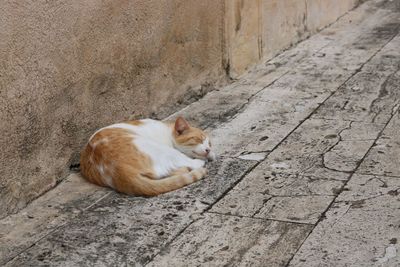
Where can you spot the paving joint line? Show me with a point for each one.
(369, 198)
(311, 176)
(380, 175)
(257, 218)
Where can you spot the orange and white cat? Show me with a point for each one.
(146, 157)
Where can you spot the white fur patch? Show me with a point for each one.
(164, 158)
(151, 129)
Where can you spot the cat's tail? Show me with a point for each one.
(142, 185)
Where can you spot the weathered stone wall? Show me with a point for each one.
(260, 29)
(69, 67)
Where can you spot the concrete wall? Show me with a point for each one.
(69, 67)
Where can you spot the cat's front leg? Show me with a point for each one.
(181, 160)
(196, 164)
(180, 171)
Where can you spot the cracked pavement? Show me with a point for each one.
(308, 172)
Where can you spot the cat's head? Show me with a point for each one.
(192, 141)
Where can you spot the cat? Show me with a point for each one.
(146, 157)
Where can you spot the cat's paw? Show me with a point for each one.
(197, 163)
(199, 173)
(202, 171)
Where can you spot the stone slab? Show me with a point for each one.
(384, 157)
(260, 188)
(46, 214)
(120, 230)
(221, 177)
(298, 180)
(323, 148)
(219, 240)
(301, 209)
(360, 229)
(378, 83)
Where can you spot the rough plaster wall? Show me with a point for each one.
(260, 29)
(68, 67)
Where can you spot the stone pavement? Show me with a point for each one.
(308, 172)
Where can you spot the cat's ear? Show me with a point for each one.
(181, 125)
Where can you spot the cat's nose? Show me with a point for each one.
(208, 150)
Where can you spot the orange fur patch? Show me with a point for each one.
(112, 148)
(190, 137)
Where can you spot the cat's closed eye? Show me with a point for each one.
(194, 141)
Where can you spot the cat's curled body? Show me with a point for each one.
(146, 157)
